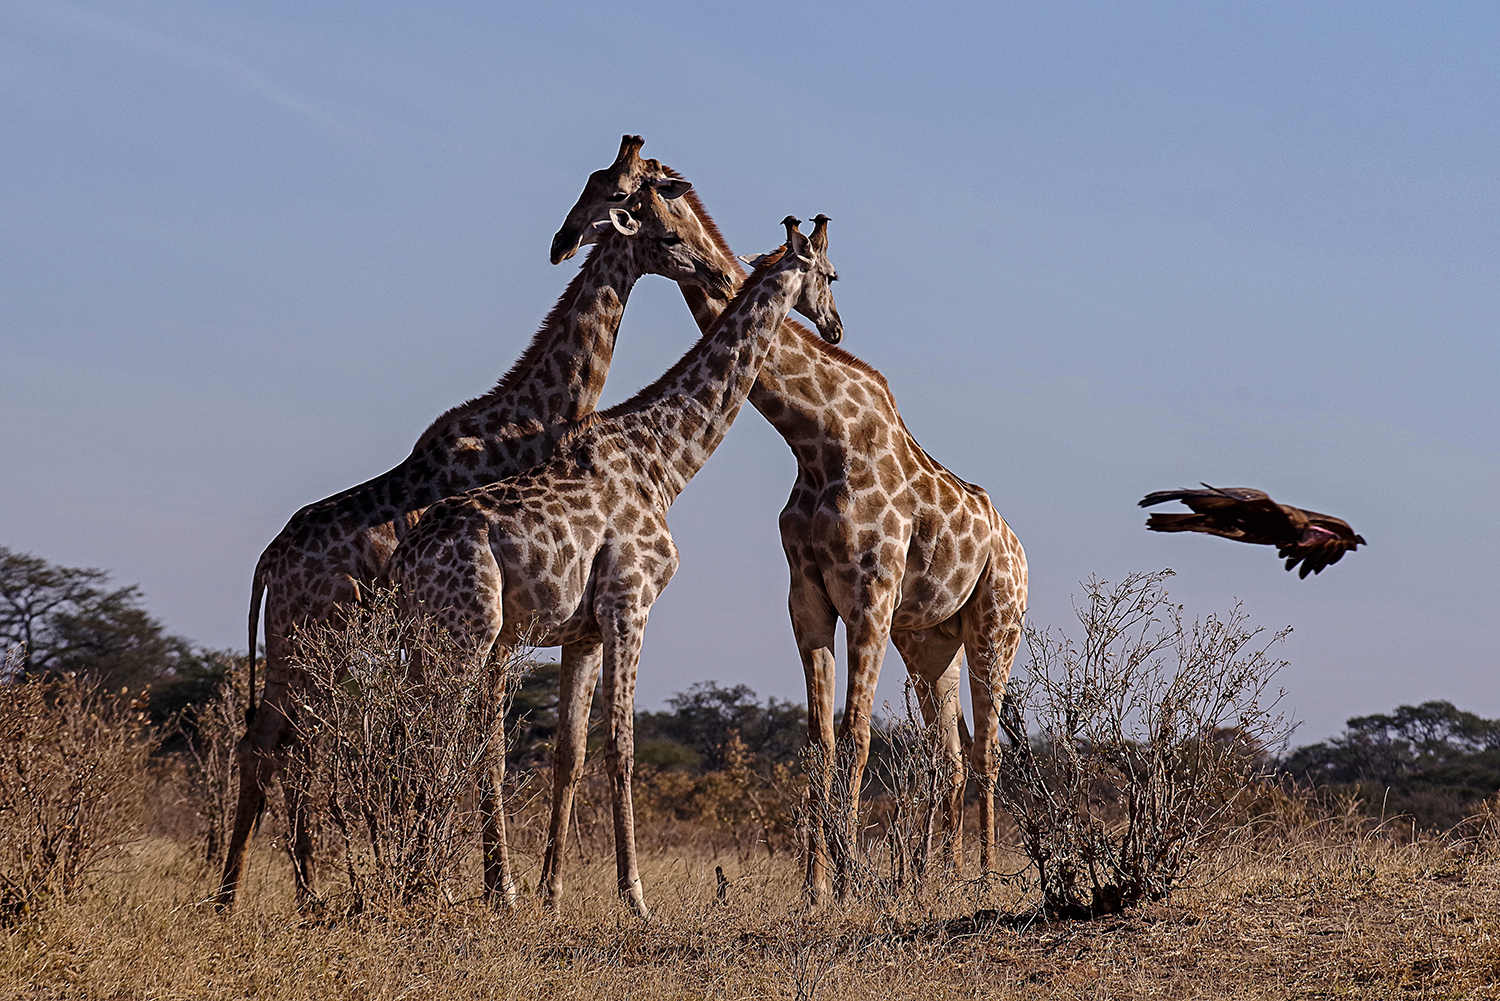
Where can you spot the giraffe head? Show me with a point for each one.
(645, 228)
(610, 188)
(810, 254)
(817, 294)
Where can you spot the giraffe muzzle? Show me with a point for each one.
(714, 281)
(564, 245)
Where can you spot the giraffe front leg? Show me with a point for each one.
(992, 624)
(580, 670)
(934, 662)
(623, 630)
(868, 633)
(814, 623)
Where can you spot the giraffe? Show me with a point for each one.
(575, 552)
(880, 535)
(330, 551)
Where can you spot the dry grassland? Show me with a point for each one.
(1316, 914)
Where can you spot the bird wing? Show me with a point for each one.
(1244, 514)
(1207, 499)
(1240, 513)
(1322, 542)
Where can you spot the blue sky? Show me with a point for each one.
(250, 251)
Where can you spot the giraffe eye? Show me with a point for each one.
(618, 196)
(669, 241)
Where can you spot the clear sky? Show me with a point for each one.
(249, 251)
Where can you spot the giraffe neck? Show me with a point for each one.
(674, 425)
(821, 399)
(560, 375)
(811, 392)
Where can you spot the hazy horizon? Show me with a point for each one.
(1097, 249)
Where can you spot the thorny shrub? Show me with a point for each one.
(913, 769)
(212, 767)
(72, 785)
(1146, 736)
(400, 726)
(893, 849)
(736, 806)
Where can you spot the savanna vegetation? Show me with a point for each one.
(1158, 840)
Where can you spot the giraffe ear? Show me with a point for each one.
(673, 188)
(624, 222)
(753, 259)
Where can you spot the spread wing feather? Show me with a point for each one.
(1308, 538)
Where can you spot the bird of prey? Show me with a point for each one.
(1307, 537)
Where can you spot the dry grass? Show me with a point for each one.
(1301, 902)
(73, 784)
(1312, 911)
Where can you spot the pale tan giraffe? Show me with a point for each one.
(332, 550)
(575, 552)
(879, 534)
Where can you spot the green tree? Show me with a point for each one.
(703, 718)
(56, 620)
(531, 717)
(1433, 762)
(1385, 747)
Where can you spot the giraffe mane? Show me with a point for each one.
(708, 223)
(523, 365)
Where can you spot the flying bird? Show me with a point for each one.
(1307, 537)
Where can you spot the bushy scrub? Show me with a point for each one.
(1134, 744)
(399, 727)
(72, 785)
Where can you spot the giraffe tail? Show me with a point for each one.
(257, 587)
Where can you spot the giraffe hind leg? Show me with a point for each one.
(580, 671)
(992, 625)
(493, 659)
(934, 661)
(867, 631)
(814, 624)
(260, 754)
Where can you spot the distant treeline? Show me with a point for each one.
(1434, 762)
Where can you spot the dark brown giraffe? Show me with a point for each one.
(575, 552)
(333, 550)
(879, 534)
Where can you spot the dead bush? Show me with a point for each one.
(211, 764)
(73, 781)
(1145, 737)
(755, 809)
(891, 852)
(737, 806)
(913, 769)
(399, 725)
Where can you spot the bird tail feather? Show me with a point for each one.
(1162, 522)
